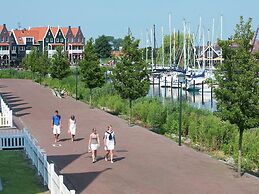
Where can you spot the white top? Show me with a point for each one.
(107, 135)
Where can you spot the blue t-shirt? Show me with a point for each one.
(56, 120)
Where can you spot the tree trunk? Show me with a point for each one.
(240, 151)
(130, 111)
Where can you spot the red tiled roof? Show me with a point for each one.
(74, 31)
(54, 30)
(64, 30)
(19, 34)
(4, 44)
(41, 32)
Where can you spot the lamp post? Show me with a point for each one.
(75, 62)
(181, 79)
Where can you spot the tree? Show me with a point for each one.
(103, 47)
(130, 76)
(238, 91)
(43, 65)
(59, 65)
(91, 72)
(30, 61)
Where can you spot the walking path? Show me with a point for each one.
(145, 162)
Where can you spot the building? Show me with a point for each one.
(4, 45)
(210, 56)
(47, 39)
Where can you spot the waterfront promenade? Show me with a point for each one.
(145, 162)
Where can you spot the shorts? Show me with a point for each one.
(94, 147)
(56, 129)
(110, 146)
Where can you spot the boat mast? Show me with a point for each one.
(170, 40)
(184, 45)
(203, 50)
(174, 47)
(194, 49)
(199, 46)
(163, 54)
(209, 49)
(154, 50)
(151, 45)
(212, 42)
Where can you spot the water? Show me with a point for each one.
(194, 98)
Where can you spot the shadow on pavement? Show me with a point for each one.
(16, 104)
(81, 180)
(79, 139)
(64, 139)
(61, 161)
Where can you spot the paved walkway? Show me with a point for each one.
(145, 162)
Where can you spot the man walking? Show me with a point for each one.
(56, 124)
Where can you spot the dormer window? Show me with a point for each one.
(57, 39)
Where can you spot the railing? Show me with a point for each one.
(6, 115)
(13, 139)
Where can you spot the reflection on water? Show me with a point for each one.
(197, 99)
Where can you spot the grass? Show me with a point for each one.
(17, 174)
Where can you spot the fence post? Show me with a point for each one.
(52, 171)
(38, 160)
(72, 192)
(61, 178)
(11, 118)
(45, 169)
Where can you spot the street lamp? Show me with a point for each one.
(75, 62)
(181, 79)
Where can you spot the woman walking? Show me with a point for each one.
(72, 127)
(109, 143)
(94, 143)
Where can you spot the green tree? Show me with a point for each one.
(103, 47)
(43, 65)
(60, 67)
(238, 91)
(30, 61)
(91, 72)
(130, 76)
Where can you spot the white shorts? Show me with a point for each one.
(94, 147)
(110, 146)
(56, 129)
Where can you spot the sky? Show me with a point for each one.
(114, 17)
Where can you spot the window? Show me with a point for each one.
(13, 48)
(51, 39)
(22, 48)
(61, 39)
(49, 33)
(28, 39)
(57, 39)
(47, 39)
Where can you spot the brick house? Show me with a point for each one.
(47, 39)
(4, 45)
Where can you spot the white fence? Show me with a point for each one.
(6, 115)
(13, 139)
